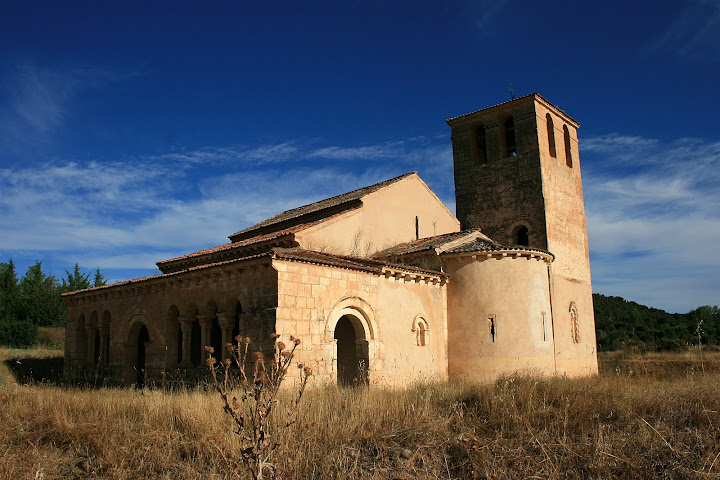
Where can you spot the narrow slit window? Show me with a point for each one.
(417, 228)
(544, 327)
(551, 135)
(480, 145)
(493, 328)
(568, 148)
(420, 327)
(574, 324)
(510, 146)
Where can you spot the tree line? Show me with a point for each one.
(622, 324)
(34, 301)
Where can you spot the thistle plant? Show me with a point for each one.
(251, 400)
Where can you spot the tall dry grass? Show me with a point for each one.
(617, 425)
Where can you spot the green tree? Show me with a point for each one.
(40, 298)
(99, 280)
(9, 291)
(75, 280)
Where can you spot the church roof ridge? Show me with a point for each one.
(249, 241)
(422, 244)
(162, 275)
(318, 206)
(370, 265)
(535, 95)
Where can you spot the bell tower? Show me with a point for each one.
(517, 177)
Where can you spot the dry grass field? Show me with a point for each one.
(652, 416)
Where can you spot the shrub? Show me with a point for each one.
(17, 333)
(250, 398)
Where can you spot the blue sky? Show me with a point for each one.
(131, 132)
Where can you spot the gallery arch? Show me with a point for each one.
(136, 353)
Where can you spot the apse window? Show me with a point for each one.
(544, 327)
(421, 332)
(492, 324)
(574, 324)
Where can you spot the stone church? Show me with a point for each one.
(384, 285)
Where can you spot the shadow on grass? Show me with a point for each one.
(33, 370)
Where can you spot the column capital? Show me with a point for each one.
(226, 320)
(205, 320)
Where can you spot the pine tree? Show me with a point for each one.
(40, 297)
(9, 290)
(75, 280)
(100, 279)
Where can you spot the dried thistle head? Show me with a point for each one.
(227, 362)
(211, 361)
(286, 354)
(308, 371)
(238, 338)
(209, 349)
(258, 356)
(281, 346)
(230, 347)
(296, 341)
(274, 336)
(247, 340)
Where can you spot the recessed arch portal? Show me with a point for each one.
(352, 352)
(136, 353)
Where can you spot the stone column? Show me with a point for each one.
(104, 354)
(227, 322)
(186, 324)
(206, 321)
(91, 353)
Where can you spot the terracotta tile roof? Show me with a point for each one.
(423, 244)
(162, 275)
(351, 263)
(295, 254)
(482, 245)
(237, 247)
(326, 204)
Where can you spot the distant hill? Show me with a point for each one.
(621, 324)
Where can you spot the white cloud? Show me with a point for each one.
(260, 155)
(37, 100)
(653, 213)
(173, 204)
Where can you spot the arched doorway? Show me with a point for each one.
(143, 339)
(136, 354)
(352, 352)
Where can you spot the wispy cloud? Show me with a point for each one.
(371, 152)
(129, 211)
(659, 198)
(250, 156)
(694, 32)
(487, 11)
(36, 100)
